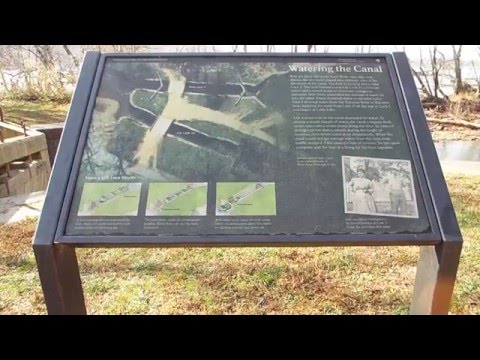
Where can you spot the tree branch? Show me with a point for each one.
(455, 122)
(69, 53)
(420, 81)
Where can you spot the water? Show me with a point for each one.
(458, 150)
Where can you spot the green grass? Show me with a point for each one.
(192, 202)
(261, 202)
(345, 280)
(125, 203)
(34, 112)
(143, 99)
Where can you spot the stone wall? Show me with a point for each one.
(24, 161)
(53, 133)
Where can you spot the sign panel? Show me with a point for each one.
(238, 145)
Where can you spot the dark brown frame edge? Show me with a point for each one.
(57, 264)
(438, 265)
(429, 238)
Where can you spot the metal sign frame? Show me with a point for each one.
(440, 248)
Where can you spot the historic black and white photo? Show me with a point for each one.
(375, 186)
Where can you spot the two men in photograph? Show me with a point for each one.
(379, 187)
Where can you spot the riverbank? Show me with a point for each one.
(455, 134)
(457, 119)
(42, 112)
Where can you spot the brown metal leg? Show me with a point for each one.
(436, 274)
(60, 278)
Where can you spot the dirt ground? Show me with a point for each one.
(463, 107)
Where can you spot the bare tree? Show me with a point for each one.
(115, 48)
(245, 48)
(5, 56)
(44, 53)
(422, 78)
(362, 49)
(69, 53)
(359, 48)
(326, 48)
(477, 77)
(437, 65)
(234, 48)
(270, 48)
(457, 60)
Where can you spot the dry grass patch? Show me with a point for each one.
(41, 112)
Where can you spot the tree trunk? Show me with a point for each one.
(45, 55)
(457, 57)
(477, 78)
(424, 89)
(435, 70)
(69, 53)
(4, 81)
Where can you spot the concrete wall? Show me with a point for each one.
(53, 133)
(24, 161)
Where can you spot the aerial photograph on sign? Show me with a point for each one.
(379, 187)
(110, 199)
(236, 199)
(188, 121)
(177, 199)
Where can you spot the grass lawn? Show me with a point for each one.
(373, 280)
(34, 112)
(185, 203)
(261, 202)
(121, 203)
(142, 98)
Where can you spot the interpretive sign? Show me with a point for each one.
(221, 149)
